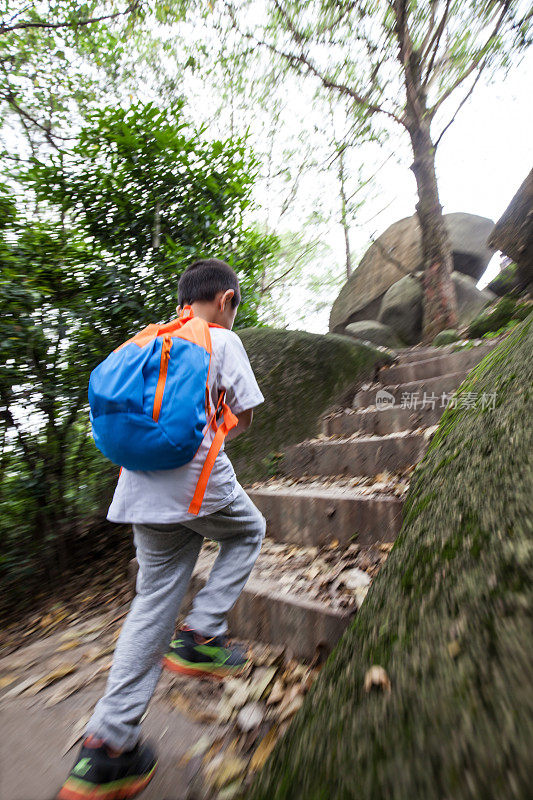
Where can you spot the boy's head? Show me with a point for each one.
(212, 288)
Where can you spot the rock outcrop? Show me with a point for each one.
(513, 233)
(428, 694)
(301, 375)
(369, 330)
(401, 306)
(396, 253)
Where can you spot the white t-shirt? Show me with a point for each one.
(165, 495)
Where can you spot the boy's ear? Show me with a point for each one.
(178, 310)
(226, 298)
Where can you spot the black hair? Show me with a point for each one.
(204, 279)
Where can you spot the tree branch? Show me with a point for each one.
(75, 24)
(415, 111)
(459, 107)
(477, 61)
(24, 115)
(8, 417)
(431, 24)
(302, 60)
(434, 41)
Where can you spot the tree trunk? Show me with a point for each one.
(447, 618)
(440, 302)
(344, 215)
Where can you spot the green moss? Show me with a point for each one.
(506, 281)
(447, 617)
(498, 317)
(300, 374)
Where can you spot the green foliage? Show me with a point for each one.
(153, 195)
(60, 60)
(96, 264)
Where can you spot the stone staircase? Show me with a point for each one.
(343, 490)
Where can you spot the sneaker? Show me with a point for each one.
(193, 654)
(101, 774)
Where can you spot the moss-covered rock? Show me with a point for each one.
(505, 281)
(370, 330)
(447, 618)
(498, 316)
(300, 374)
(446, 337)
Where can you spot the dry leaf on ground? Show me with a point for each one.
(52, 677)
(377, 678)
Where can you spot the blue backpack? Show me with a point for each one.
(150, 404)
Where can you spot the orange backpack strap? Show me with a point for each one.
(229, 422)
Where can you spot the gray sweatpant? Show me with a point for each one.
(167, 555)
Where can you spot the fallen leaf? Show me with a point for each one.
(21, 687)
(277, 693)
(231, 791)
(454, 648)
(105, 651)
(231, 768)
(56, 675)
(261, 680)
(198, 749)
(190, 708)
(77, 732)
(288, 697)
(265, 747)
(68, 645)
(250, 716)
(291, 709)
(376, 677)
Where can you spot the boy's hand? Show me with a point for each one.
(245, 420)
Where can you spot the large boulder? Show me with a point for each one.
(369, 330)
(401, 308)
(513, 233)
(300, 374)
(470, 299)
(402, 304)
(396, 253)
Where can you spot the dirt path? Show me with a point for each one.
(47, 691)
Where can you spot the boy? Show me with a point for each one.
(112, 763)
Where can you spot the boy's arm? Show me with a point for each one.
(245, 420)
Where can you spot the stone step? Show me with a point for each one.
(433, 367)
(320, 514)
(275, 611)
(411, 394)
(356, 456)
(412, 354)
(263, 613)
(381, 422)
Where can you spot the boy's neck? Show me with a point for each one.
(207, 311)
